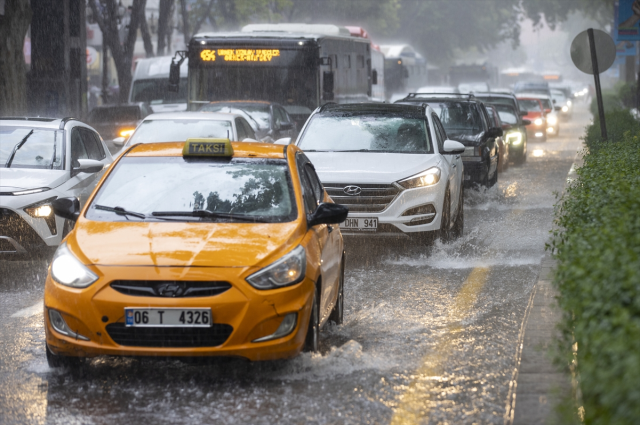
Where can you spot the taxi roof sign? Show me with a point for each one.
(207, 147)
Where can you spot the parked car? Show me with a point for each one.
(392, 165)
(117, 121)
(535, 114)
(180, 126)
(516, 136)
(270, 121)
(43, 159)
(465, 119)
(503, 146)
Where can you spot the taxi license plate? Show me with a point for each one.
(362, 224)
(168, 317)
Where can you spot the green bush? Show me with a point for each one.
(618, 123)
(610, 100)
(598, 276)
(627, 93)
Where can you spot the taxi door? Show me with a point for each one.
(328, 236)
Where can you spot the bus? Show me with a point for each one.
(405, 70)
(299, 66)
(149, 85)
(377, 65)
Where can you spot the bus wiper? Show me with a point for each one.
(15, 149)
(121, 211)
(208, 214)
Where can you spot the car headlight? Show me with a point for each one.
(425, 178)
(565, 108)
(514, 138)
(67, 270)
(551, 120)
(287, 271)
(569, 102)
(538, 121)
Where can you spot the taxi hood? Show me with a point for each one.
(191, 244)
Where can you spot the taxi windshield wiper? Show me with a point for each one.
(207, 214)
(121, 211)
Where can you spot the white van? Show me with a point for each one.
(150, 80)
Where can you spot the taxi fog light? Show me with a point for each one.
(425, 178)
(514, 138)
(285, 328)
(67, 270)
(60, 326)
(288, 270)
(538, 121)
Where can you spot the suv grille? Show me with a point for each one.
(170, 289)
(369, 197)
(216, 335)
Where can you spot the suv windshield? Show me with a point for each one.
(458, 118)
(156, 131)
(256, 188)
(366, 133)
(22, 147)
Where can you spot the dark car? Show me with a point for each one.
(466, 120)
(270, 121)
(516, 136)
(116, 121)
(503, 146)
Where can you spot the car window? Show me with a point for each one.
(247, 129)
(318, 189)
(279, 115)
(310, 200)
(92, 144)
(240, 128)
(530, 105)
(179, 130)
(440, 137)
(78, 150)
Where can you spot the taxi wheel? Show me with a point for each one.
(445, 224)
(311, 342)
(337, 314)
(55, 361)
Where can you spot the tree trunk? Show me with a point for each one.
(185, 22)
(146, 37)
(13, 74)
(164, 25)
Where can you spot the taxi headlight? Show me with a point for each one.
(538, 121)
(67, 270)
(552, 120)
(288, 270)
(514, 138)
(425, 178)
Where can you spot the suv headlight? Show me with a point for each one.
(287, 271)
(425, 178)
(67, 270)
(514, 138)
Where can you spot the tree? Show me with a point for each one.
(165, 27)
(13, 78)
(106, 15)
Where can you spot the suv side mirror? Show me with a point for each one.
(68, 208)
(327, 213)
(87, 166)
(494, 132)
(453, 148)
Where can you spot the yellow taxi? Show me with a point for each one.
(203, 248)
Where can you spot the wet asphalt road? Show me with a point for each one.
(429, 335)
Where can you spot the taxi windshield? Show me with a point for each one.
(179, 130)
(366, 133)
(229, 191)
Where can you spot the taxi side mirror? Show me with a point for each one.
(327, 213)
(68, 208)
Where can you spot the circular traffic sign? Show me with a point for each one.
(581, 51)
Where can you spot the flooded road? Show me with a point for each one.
(430, 333)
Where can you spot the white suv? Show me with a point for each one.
(42, 159)
(392, 165)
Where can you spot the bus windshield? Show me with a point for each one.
(294, 86)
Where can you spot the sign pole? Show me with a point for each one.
(596, 77)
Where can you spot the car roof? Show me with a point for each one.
(533, 95)
(37, 122)
(431, 97)
(219, 116)
(240, 150)
(495, 94)
(410, 111)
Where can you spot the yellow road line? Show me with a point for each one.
(415, 404)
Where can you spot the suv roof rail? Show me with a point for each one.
(65, 120)
(325, 105)
(42, 119)
(415, 95)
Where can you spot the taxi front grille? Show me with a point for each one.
(170, 288)
(363, 197)
(159, 337)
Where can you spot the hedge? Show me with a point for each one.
(597, 247)
(618, 123)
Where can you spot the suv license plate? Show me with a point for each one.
(362, 224)
(168, 317)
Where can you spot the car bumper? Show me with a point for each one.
(391, 221)
(536, 133)
(241, 313)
